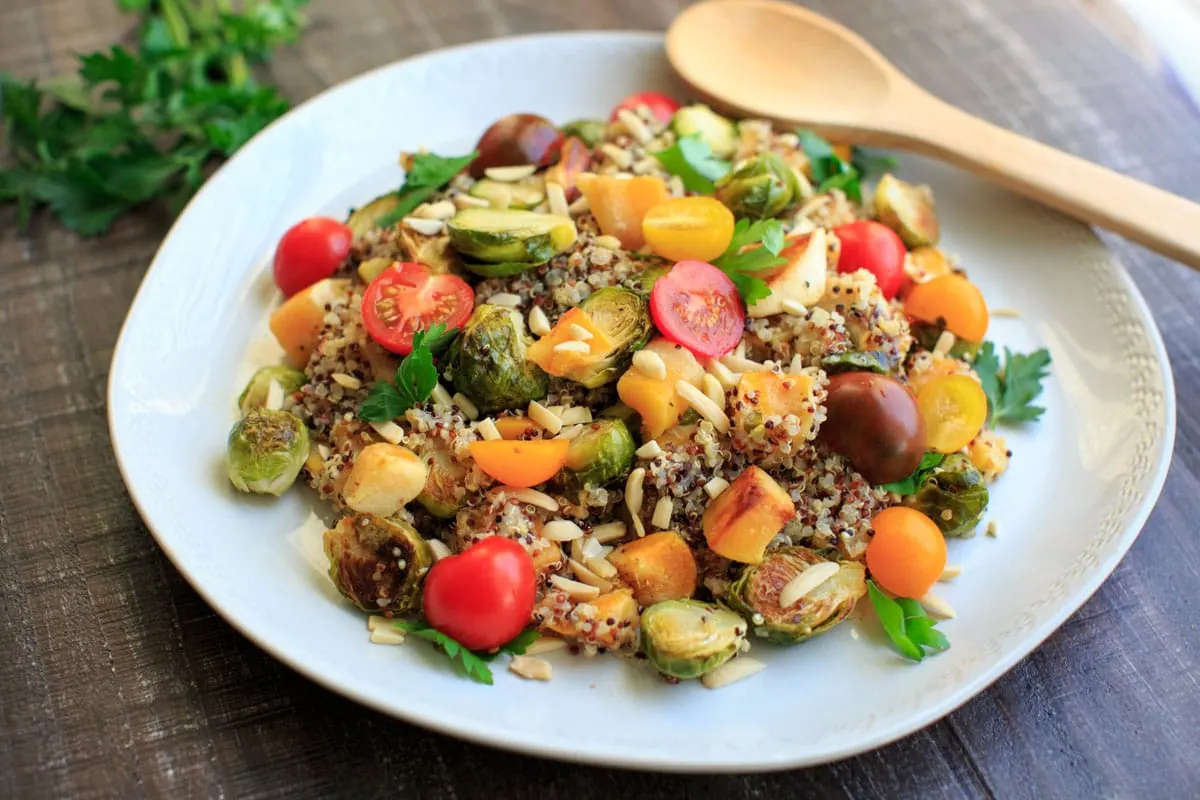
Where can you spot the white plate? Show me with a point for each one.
(1081, 485)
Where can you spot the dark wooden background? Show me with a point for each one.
(116, 680)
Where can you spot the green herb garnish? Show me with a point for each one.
(693, 161)
(1011, 389)
(738, 265)
(826, 169)
(428, 173)
(907, 624)
(471, 663)
(909, 485)
(415, 380)
(146, 124)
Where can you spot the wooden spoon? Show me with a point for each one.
(777, 61)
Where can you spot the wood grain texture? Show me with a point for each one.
(116, 680)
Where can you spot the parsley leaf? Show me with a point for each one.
(427, 174)
(416, 378)
(911, 630)
(755, 246)
(909, 485)
(472, 663)
(693, 161)
(827, 170)
(1011, 389)
(868, 163)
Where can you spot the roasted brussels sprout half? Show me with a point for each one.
(856, 361)
(362, 220)
(760, 187)
(434, 252)
(757, 591)
(258, 390)
(371, 268)
(927, 335)
(600, 455)
(443, 494)
(497, 236)
(377, 563)
(266, 451)
(624, 315)
(687, 638)
(642, 282)
(591, 131)
(487, 361)
(522, 194)
(718, 133)
(953, 496)
(908, 210)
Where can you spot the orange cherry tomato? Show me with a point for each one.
(907, 553)
(955, 300)
(954, 408)
(521, 463)
(689, 228)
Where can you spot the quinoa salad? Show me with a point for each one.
(661, 385)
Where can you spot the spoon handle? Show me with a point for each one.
(1164, 222)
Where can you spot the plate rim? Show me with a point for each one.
(968, 690)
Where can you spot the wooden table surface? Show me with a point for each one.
(116, 680)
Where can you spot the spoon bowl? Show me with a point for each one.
(780, 62)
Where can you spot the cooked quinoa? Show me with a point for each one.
(761, 410)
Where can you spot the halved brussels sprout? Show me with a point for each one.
(434, 252)
(371, 268)
(927, 335)
(687, 638)
(760, 187)
(259, 387)
(496, 236)
(591, 131)
(755, 595)
(600, 455)
(522, 194)
(642, 282)
(856, 361)
(443, 494)
(266, 451)
(624, 315)
(908, 210)
(487, 361)
(719, 133)
(377, 563)
(953, 496)
(362, 220)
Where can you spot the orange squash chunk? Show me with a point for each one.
(655, 399)
(297, 323)
(620, 204)
(740, 522)
(658, 567)
(571, 363)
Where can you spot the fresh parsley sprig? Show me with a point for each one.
(910, 484)
(1012, 387)
(427, 174)
(755, 246)
(133, 126)
(829, 171)
(907, 625)
(415, 380)
(692, 159)
(473, 664)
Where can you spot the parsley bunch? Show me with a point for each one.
(755, 246)
(829, 171)
(1012, 388)
(472, 663)
(147, 123)
(692, 159)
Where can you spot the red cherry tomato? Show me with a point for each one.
(310, 251)
(875, 247)
(406, 298)
(661, 105)
(482, 597)
(696, 305)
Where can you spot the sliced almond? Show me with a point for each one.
(732, 671)
(715, 486)
(275, 397)
(535, 669)
(391, 636)
(703, 405)
(438, 548)
(586, 575)
(573, 346)
(633, 498)
(579, 333)
(650, 364)
(609, 532)
(569, 432)
(539, 323)
(544, 417)
(556, 198)
(803, 584)
(937, 606)
(794, 308)
(575, 415)
(602, 567)
(488, 430)
(561, 530)
(662, 513)
(534, 498)
(577, 590)
(650, 449)
(510, 174)
(390, 431)
(429, 227)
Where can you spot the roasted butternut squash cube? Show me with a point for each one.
(658, 567)
(655, 399)
(297, 323)
(581, 355)
(759, 395)
(620, 204)
(740, 522)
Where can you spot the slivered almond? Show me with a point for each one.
(467, 201)
(569, 432)
(346, 381)
(602, 567)
(545, 644)
(739, 363)
(703, 405)
(572, 346)
(575, 415)
(579, 333)
(944, 342)
(662, 513)
(650, 363)
(510, 174)
(1004, 312)
(469, 409)
(488, 430)
(557, 199)
(609, 532)
(586, 575)
(797, 364)
(794, 308)
(535, 669)
(937, 606)
(621, 158)
(634, 124)
(506, 299)
(390, 431)
(539, 323)
(633, 498)
(650, 449)
(580, 205)
(561, 530)
(714, 487)
(712, 389)
(950, 572)
(724, 375)
(544, 417)
(441, 397)
(732, 671)
(429, 227)
(275, 397)
(438, 548)
(803, 584)
(577, 590)
(380, 621)
(443, 209)
(534, 498)
(608, 242)
(387, 636)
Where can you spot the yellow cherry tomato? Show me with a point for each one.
(907, 552)
(689, 228)
(954, 408)
(953, 300)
